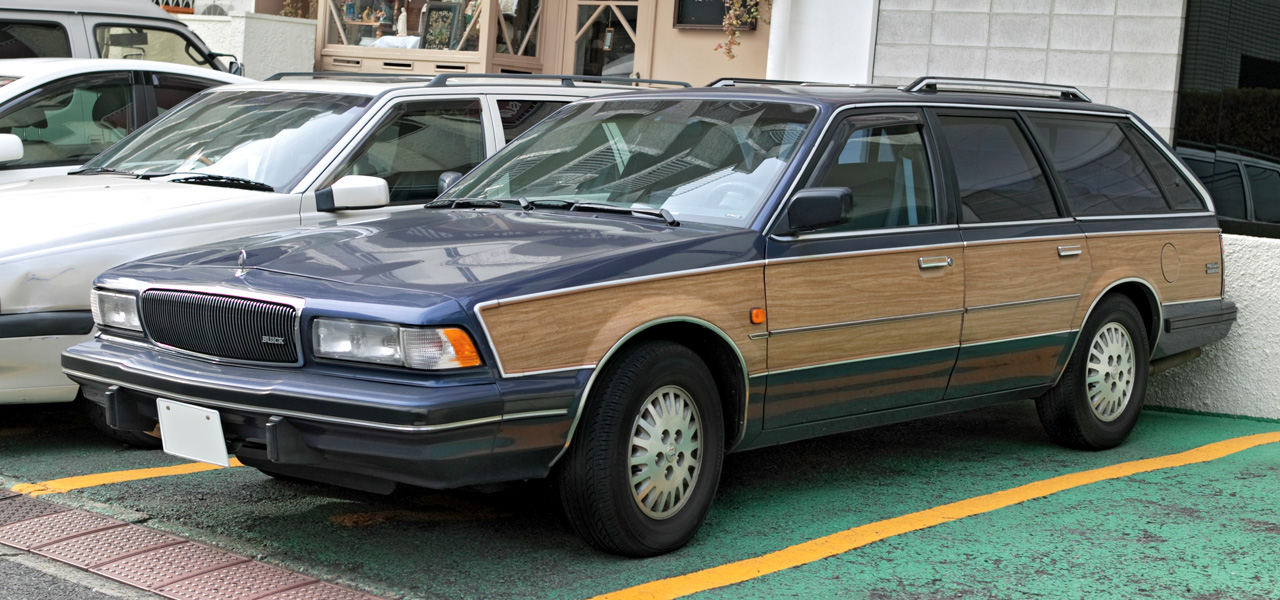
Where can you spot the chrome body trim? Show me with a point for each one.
(834, 255)
(1154, 231)
(863, 359)
(841, 325)
(1172, 215)
(1029, 238)
(1021, 303)
(758, 335)
(1088, 313)
(1017, 337)
(1215, 299)
(835, 235)
(314, 417)
(1025, 222)
(586, 391)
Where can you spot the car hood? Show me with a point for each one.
(57, 211)
(452, 252)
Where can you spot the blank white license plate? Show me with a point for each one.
(192, 432)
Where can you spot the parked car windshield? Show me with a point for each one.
(272, 138)
(711, 161)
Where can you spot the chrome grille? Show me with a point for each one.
(222, 326)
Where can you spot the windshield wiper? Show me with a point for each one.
(477, 203)
(660, 213)
(100, 170)
(211, 179)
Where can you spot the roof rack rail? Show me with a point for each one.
(930, 84)
(736, 81)
(442, 79)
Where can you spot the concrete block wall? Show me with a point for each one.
(1120, 52)
(1237, 375)
(266, 44)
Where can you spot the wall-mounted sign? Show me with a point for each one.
(703, 14)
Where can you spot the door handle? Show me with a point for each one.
(1064, 251)
(934, 262)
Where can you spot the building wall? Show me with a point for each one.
(1120, 52)
(823, 40)
(265, 44)
(1237, 375)
(690, 54)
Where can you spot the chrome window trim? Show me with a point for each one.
(835, 255)
(860, 233)
(586, 391)
(863, 359)
(1088, 313)
(1152, 231)
(1021, 303)
(1171, 215)
(1028, 238)
(313, 417)
(876, 321)
(982, 224)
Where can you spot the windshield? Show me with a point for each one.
(272, 138)
(711, 161)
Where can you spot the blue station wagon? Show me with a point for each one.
(647, 282)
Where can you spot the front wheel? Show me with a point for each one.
(1096, 403)
(643, 468)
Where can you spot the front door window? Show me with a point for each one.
(69, 121)
(146, 43)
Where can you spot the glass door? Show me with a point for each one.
(610, 38)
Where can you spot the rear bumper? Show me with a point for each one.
(333, 428)
(1194, 324)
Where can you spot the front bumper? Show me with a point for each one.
(333, 428)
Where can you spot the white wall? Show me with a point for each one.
(266, 44)
(1239, 375)
(822, 40)
(1120, 52)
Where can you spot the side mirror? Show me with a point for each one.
(234, 66)
(10, 147)
(447, 179)
(354, 192)
(815, 208)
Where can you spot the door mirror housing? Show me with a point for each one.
(354, 192)
(815, 208)
(447, 180)
(234, 66)
(10, 147)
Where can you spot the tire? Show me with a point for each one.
(594, 479)
(1067, 413)
(98, 416)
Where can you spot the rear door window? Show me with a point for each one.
(519, 115)
(996, 171)
(417, 142)
(1264, 185)
(172, 90)
(71, 120)
(148, 43)
(33, 40)
(1101, 171)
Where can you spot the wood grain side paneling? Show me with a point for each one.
(794, 350)
(1129, 255)
(578, 328)
(1016, 321)
(999, 272)
(861, 287)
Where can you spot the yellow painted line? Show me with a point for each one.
(849, 539)
(66, 484)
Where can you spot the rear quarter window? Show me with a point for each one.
(1176, 187)
(1101, 171)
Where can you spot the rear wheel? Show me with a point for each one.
(1096, 403)
(643, 468)
(98, 416)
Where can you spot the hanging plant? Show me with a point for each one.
(738, 15)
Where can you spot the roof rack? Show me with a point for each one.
(442, 79)
(930, 84)
(748, 81)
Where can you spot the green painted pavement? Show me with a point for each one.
(1173, 534)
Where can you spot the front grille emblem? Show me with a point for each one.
(271, 339)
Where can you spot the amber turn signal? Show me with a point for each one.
(757, 316)
(464, 350)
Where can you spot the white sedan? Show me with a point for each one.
(57, 113)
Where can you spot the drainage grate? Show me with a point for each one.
(319, 591)
(101, 547)
(56, 527)
(22, 508)
(237, 582)
(158, 568)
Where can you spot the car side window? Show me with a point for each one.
(1176, 188)
(1264, 186)
(996, 171)
(172, 90)
(71, 120)
(1101, 171)
(882, 160)
(519, 115)
(33, 40)
(417, 142)
(1226, 186)
(146, 43)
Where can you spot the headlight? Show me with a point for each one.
(113, 309)
(387, 344)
